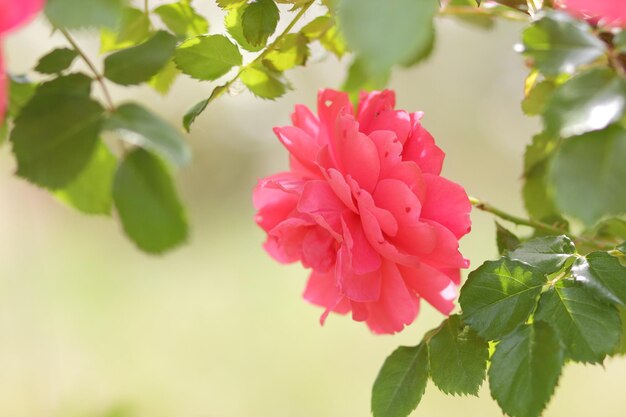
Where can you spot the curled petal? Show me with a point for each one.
(432, 285)
(447, 203)
(322, 290)
(303, 118)
(275, 198)
(421, 149)
(372, 104)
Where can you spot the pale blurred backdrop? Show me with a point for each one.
(91, 327)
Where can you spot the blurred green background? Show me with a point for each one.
(91, 327)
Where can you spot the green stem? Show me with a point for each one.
(271, 46)
(487, 12)
(146, 9)
(98, 77)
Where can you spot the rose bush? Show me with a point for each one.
(12, 14)
(364, 206)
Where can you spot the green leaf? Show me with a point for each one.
(547, 254)
(56, 61)
(499, 296)
(147, 203)
(80, 13)
(140, 63)
(262, 82)
(207, 57)
(401, 382)
(589, 101)
(139, 126)
(621, 348)
(525, 369)
(535, 102)
(588, 327)
(162, 82)
(603, 275)
(292, 51)
(198, 108)
(259, 21)
(359, 79)
(458, 358)
(57, 131)
(182, 19)
(133, 29)
(333, 41)
(505, 239)
(90, 192)
(228, 4)
(234, 27)
(558, 43)
(385, 36)
(21, 90)
(588, 175)
(317, 27)
(622, 247)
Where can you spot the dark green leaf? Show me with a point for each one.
(140, 63)
(139, 126)
(588, 327)
(547, 254)
(263, 82)
(292, 51)
(589, 101)
(621, 348)
(147, 203)
(604, 275)
(558, 43)
(401, 382)
(499, 296)
(385, 36)
(259, 21)
(56, 132)
(359, 79)
(458, 358)
(80, 13)
(234, 27)
(133, 29)
(182, 19)
(56, 61)
(588, 175)
(505, 239)
(525, 369)
(207, 57)
(90, 192)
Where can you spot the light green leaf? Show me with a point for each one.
(333, 41)
(385, 36)
(229, 4)
(547, 254)
(80, 13)
(603, 275)
(558, 43)
(147, 203)
(525, 369)
(182, 19)
(56, 61)
(139, 126)
(588, 327)
(207, 57)
(21, 90)
(499, 296)
(458, 358)
(401, 382)
(317, 27)
(162, 82)
(57, 131)
(259, 21)
(537, 99)
(140, 63)
(91, 191)
(292, 51)
(588, 175)
(133, 29)
(589, 101)
(262, 82)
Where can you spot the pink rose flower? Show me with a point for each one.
(605, 12)
(363, 205)
(12, 14)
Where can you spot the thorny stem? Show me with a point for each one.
(487, 12)
(271, 46)
(98, 77)
(537, 225)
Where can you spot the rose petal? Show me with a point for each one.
(447, 203)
